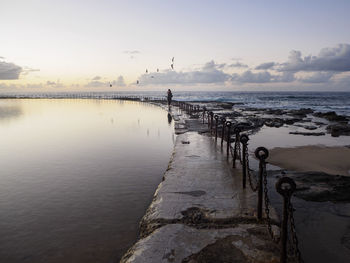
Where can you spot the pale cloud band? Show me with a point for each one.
(330, 66)
(309, 69)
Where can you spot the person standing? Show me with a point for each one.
(169, 96)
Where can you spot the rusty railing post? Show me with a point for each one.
(228, 138)
(261, 153)
(223, 121)
(236, 130)
(208, 117)
(244, 140)
(286, 193)
(216, 117)
(204, 110)
(211, 122)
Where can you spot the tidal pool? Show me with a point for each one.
(76, 176)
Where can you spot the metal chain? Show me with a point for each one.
(250, 176)
(239, 154)
(297, 253)
(236, 149)
(267, 205)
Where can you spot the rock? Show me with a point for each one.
(331, 116)
(338, 129)
(307, 127)
(275, 111)
(226, 105)
(321, 187)
(292, 121)
(308, 133)
(301, 112)
(276, 122)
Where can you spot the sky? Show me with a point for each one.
(280, 45)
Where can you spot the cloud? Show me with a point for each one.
(317, 77)
(50, 83)
(238, 65)
(267, 65)
(119, 82)
(96, 78)
(131, 52)
(9, 71)
(250, 77)
(97, 83)
(262, 77)
(336, 59)
(26, 70)
(209, 73)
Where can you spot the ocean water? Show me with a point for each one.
(319, 101)
(76, 176)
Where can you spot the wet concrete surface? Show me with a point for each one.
(200, 210)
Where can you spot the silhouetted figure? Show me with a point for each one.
(146, 71)
(172, 66)
(169, 118)
(169, 97)
(137, 82)
(110, 85)
(157, 69)
(172, 60)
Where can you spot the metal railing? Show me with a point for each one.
(285, 186)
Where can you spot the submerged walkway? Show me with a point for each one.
(200, 213)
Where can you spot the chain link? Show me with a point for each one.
(267, 205)
(293, 232)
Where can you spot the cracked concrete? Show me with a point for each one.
(200, 211)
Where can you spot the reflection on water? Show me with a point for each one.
(9, 110)
(169, 118)
(76, 177)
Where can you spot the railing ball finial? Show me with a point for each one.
(237, 130)
(244, 138)
(261, 153)
(285, 186)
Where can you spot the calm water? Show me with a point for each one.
(76, 176)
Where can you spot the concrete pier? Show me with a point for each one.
(200, 213)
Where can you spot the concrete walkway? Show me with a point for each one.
(200, 213)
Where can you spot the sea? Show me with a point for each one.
(318, 101)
